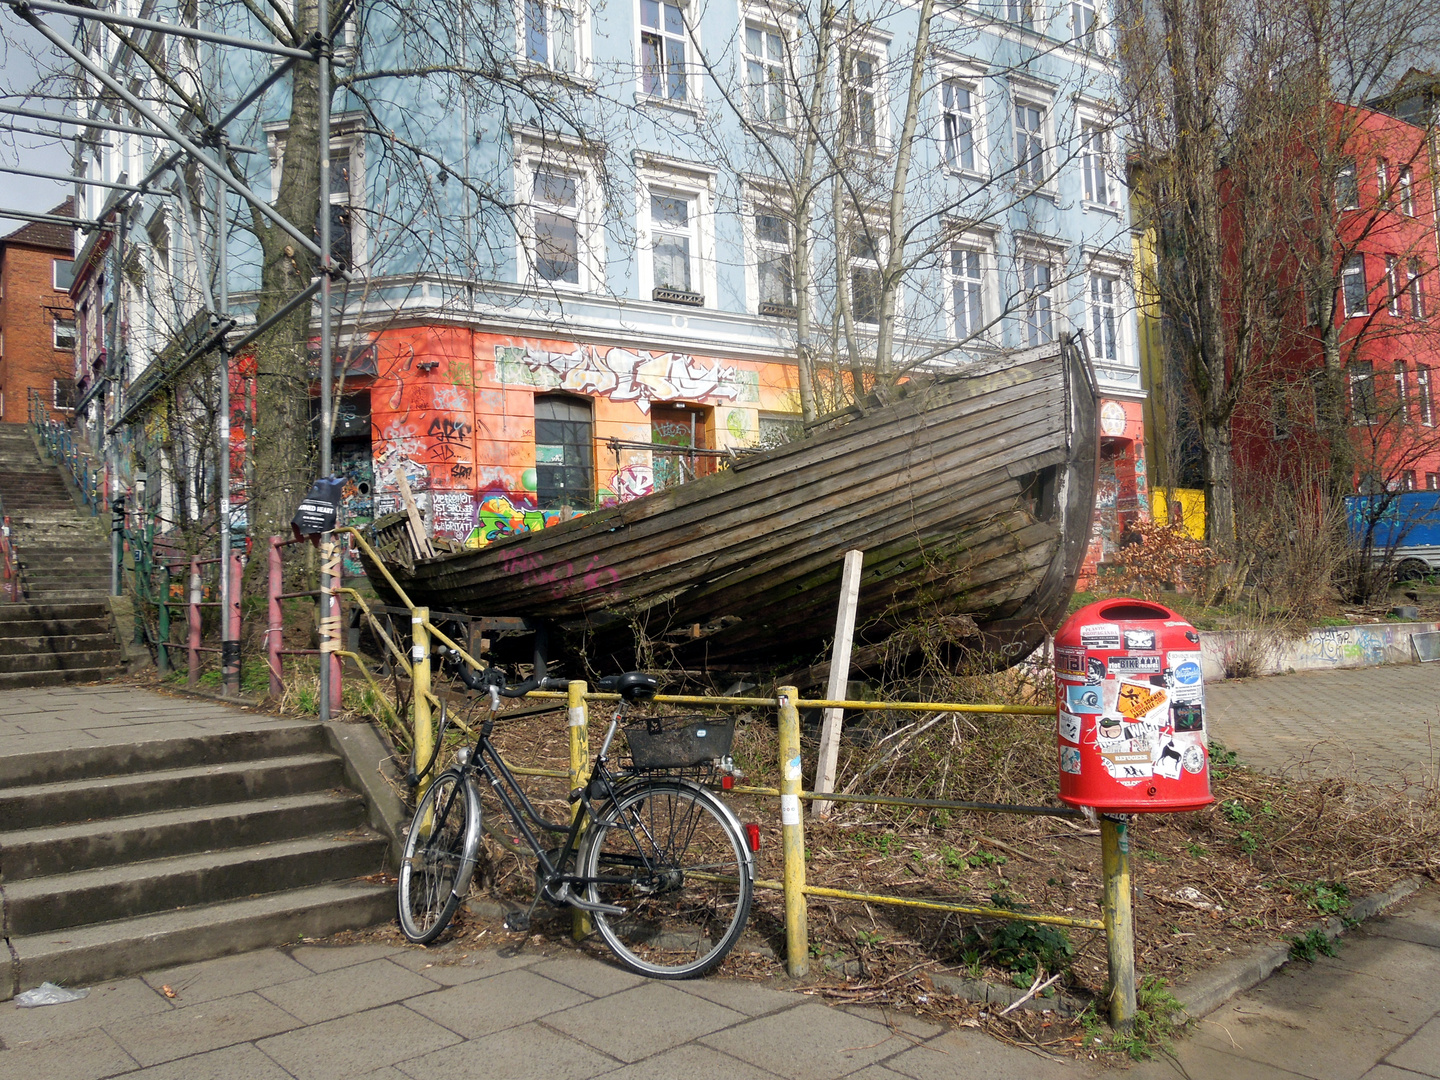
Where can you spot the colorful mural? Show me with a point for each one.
(455, 410)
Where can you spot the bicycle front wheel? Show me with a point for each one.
(674, 858)
(439, 855)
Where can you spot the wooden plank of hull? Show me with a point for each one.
(650, 558)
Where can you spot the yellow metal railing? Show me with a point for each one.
(1117, 921)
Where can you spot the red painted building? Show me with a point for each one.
(1386, 296)
(37, 322)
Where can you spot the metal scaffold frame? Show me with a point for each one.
(193, 150)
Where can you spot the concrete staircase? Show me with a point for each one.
(127, 857)
(61, 631)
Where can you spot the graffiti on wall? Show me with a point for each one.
(1341, 644)
(496, 517)
(624, 375)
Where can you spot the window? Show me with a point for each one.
(861, 102)
(1030, 143)
(1382, 181)
(1407, 480)
(62, 274)
(1083, 20)
(342, 217)
(556, 208)
(1347, 187)
(1392, 284)
(774, 264)
(64, 334)
(1416, 289)
(1021, 12)
(564, 454)
(1353, 287)
(1035, 278)
(967, 292)
(765, 74)
(1402, 392)
(1407, 191)
(1095, 161)
(957, 105)
(63, 394)
(1423, 399)
(552, 35)
(1362, 392)
(674, 247)
(1432, 481)
(662, 51)
(864, 278)
(1104, 326)
(345, 200)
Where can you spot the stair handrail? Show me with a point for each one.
(64, 449)
(9, 569)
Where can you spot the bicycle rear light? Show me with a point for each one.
(727, 782)
(752, 835)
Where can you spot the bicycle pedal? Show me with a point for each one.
(518, 922)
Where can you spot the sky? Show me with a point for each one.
(25, 151)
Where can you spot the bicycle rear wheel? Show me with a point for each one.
(439, 856)
(674, 858)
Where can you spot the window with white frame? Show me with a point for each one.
(1084, 22)
(1105, 325)
(1392, 284)
(62, 274)
(1347, 187)
(1095, 164)
(1382, 181)
(64, 333)
(1402, 392)
(553, 35)
(1035, 282)
(1423, 398)
(1416, 286)
(960, 117)
(556, 204)
(965, 278)
(864, 268)
(63, 394)
(1030, 156)
(765, 74)
(1406, 184)
(861, 102)
(1021, 13)
(345, 199)
(1361, 374)
(774, 263)
(663, 70)
(1353, 289)
(676, 236)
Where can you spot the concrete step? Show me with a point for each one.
(69, 801)
(57, 645)
(274, 740)
(128, 890)
(80, 956)
(27, 628)
(64, 595)
(88, 845)
(57, 615)
(22, 663)
(22, 680)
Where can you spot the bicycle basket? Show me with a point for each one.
(679, 742)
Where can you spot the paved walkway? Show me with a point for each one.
(310, 1011)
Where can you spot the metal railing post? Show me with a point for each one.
(230, 626)
(330, 636)
(192, 616)
(162, 630)
(420, 689)
(797, 932)
(1119, 922)
(578, 715)
(275, 630)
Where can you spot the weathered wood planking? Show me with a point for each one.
(932, 488)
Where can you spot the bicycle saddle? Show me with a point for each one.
(632, 686)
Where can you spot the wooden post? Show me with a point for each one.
(797, 934)
(419, 689)
(579, 777)
(193, 618)
(839, 679)
(275, 630)
(330, 627)
(1119, 922)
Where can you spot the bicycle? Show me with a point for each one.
(660, 863)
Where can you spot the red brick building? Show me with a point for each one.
(37, 321)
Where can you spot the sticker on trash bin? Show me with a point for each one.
(1082, 699)
(1187, 716)
(1069, 661)
(1167, 763)
(1069, 727)
(1139, 639)
(1187, 672)
(1127, 764)
(1094, 670)
(1100, 636)
(1070, 760)
(1135, 665)
(1193, 759)
(1136, 700)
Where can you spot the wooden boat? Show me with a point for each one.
(971, 496)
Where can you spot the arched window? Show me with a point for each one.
(564, 453)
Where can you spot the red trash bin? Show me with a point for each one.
(1131, 701)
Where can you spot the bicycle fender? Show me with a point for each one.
(472, 840)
